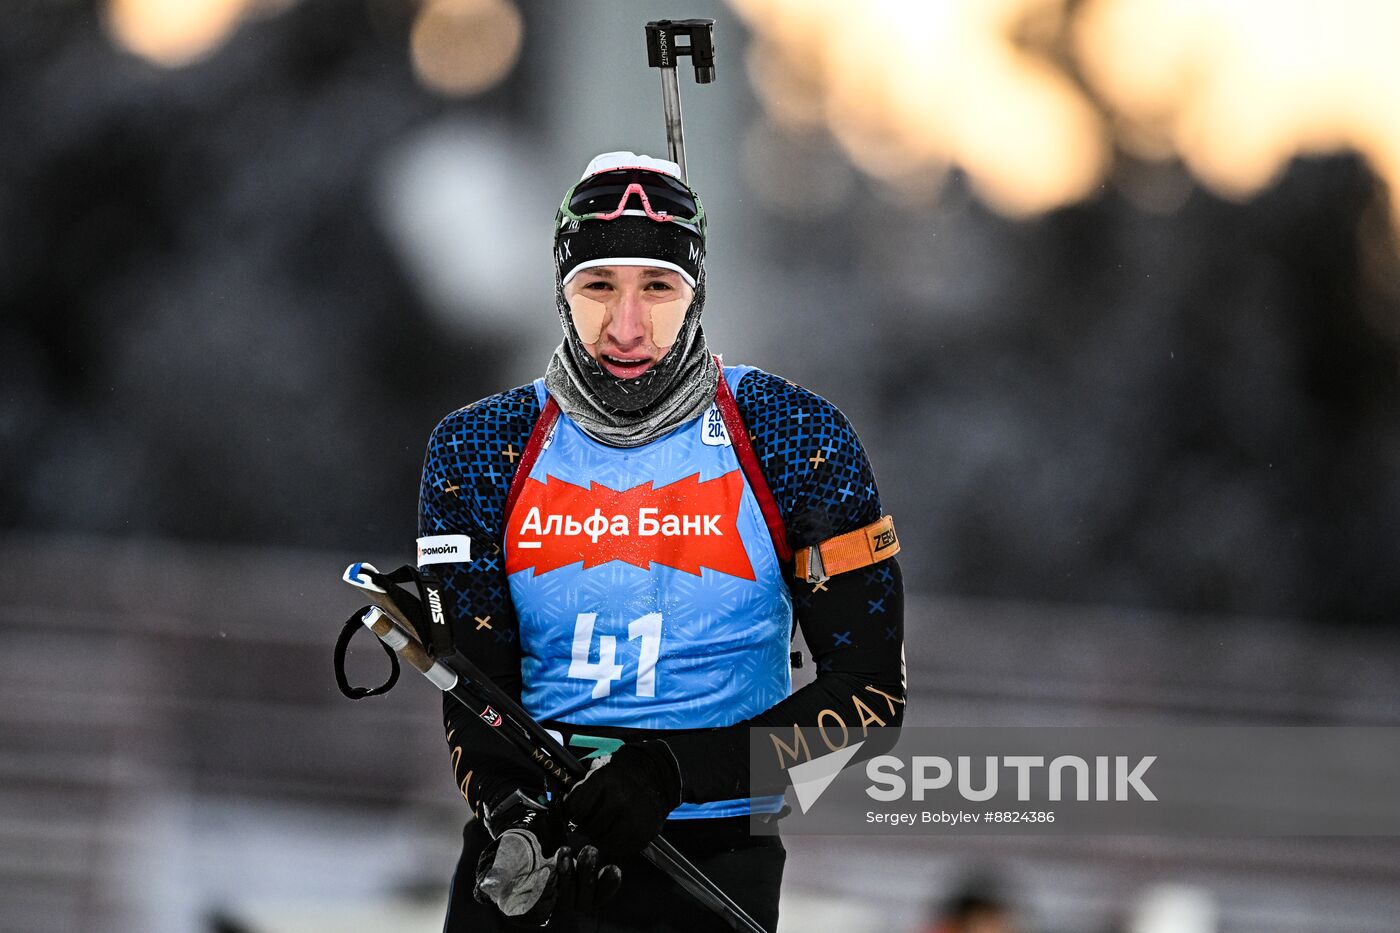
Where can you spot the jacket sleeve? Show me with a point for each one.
(463, 492)
(853, 623)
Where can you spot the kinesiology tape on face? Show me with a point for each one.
(588, 317)
(667, 318)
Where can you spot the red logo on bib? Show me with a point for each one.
(686, 525)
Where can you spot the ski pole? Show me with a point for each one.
(662, 52)
(465, 682)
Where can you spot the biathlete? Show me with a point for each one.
(626, 544)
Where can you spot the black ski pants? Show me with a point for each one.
(748, 868)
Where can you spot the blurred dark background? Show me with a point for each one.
(209, 333)
(252, 250)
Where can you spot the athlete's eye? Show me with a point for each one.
(598, 285)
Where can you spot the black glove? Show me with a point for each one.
(622, 803)
(528, 875)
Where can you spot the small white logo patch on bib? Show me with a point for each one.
(444, 549)
(712, 429)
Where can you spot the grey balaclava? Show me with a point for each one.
(631, 412)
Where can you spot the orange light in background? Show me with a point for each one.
(791, 94)
(1237, 89)
(908, 86)
(173, 32)
(463, 47)
(1234, 88)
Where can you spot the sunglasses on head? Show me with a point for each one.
(608, 195)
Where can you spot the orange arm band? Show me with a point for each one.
(850, 551)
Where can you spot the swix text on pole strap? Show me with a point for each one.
(685, 525)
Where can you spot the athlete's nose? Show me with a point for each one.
(627, 325)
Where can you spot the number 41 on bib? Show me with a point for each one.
(606, 669)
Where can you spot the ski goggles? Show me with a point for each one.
(610, 195)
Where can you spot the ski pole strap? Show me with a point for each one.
(468, 684)
(428, 614)
(347, 632)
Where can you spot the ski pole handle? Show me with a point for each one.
(394, 632)
(408, 648)
(475, 690)
(659, 852)
(464, 681)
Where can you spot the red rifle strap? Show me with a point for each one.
(533, 446)
(753, 470)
